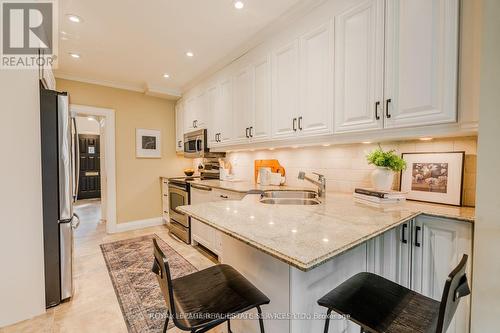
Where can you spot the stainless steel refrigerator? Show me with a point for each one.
(59, 219)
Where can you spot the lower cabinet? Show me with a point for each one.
(201, 233)
(420, 254)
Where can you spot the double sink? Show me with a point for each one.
(305, 198)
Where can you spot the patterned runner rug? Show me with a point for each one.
(129, 265)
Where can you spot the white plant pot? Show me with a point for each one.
(382, 178)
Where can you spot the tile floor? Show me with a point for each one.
(94, 307)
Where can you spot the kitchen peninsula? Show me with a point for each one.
(297, 253)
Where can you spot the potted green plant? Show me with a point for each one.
(387, 163)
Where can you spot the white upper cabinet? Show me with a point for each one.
(189, 114)
(243, 104)
(359, 61)
(421, 62)
(262, 99)
(226, 110)
(195, 112)
(285, 90)
(213, 127)
(179, 127)
(316, 81)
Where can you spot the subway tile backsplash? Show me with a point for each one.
(345, 166)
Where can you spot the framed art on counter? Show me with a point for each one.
(434, 177)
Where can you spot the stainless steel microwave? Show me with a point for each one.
(196, 145)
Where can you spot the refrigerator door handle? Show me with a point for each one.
(77, 161)
(65, 165)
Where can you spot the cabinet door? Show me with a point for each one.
(262, 101)
(285, 90)
(242, 105)
(359, 61)
(179, 127)
(389, 255)
(421, 62)
(316, 81)
(214, 113)
(438, 246)
(189, 114)
(201, 110)
(226, 110)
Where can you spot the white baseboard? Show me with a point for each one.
(139, 224)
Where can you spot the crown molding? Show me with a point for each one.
(149, 90)
(288, 17)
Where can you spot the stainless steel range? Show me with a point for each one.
(179, 195)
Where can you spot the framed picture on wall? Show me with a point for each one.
(147, 143)
(434, 177)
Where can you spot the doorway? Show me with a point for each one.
(96, 177)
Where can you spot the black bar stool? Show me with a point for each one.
(380, 305)
(203, 300)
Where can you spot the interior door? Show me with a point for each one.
(243, 104)
(421, 62)
(90, 167)
(359, 63)
(316, 86)
(285, 100)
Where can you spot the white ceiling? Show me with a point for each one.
(133, 42)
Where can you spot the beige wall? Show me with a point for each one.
(345, 166)
(22, 288)
(486, 285)
(138, 195)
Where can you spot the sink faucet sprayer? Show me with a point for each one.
(320, 183)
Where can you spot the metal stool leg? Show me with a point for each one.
(327, 321)
(166, 323)
(261, 321)
(229, 326)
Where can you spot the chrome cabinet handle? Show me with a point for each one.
(387, 113)
(377, 103)
(295, 124)
(224, 196)
(251, 131)
(300, 123)
(246, 132)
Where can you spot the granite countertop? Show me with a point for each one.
(242, 186)
(307, 236)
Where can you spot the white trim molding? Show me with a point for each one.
(147, 89)
(110, 158)
(139, 224)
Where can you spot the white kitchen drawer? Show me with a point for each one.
(203, 234)
(226, 195)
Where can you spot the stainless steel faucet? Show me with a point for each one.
(320, 183)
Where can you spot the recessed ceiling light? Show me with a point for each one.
(271, 148)
(166, 76)
(74, 18)
(239, 4)
(425, 139)
(294, 230)
(75, 55)
(190, 54)
(366, 142)
(326, 145)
